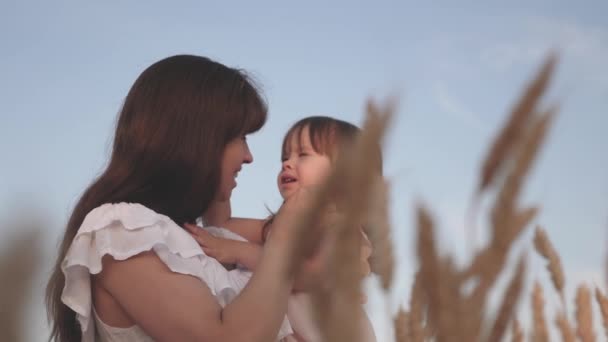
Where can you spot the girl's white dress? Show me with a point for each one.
(126, 229)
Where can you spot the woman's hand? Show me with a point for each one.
(313, 272)
(290, 223)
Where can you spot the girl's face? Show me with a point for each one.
(236, 153)
(301, 165)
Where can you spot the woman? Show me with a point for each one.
(126, 269)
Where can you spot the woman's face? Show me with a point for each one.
(236, 153)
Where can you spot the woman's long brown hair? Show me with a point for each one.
(170, 136)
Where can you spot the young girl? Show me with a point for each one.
(309, 151)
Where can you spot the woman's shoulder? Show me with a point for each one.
(124, 229)
(130, 215)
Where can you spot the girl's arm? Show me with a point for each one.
(219, 215)
(227, 251)
(249, 228)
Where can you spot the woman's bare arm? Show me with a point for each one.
(176, 307)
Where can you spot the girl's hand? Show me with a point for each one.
(223, 250)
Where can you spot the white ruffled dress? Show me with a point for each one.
(126, 229)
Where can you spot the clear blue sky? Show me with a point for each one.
(65, 68)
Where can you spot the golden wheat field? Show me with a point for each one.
(447, 301)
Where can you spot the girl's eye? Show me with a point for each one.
(303, 154)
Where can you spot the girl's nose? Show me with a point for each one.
(286, 165)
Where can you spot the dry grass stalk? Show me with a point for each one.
(440, 284)
(508, 141)
(564, 328)
(451, 314)
(521, 115)
(455, 321)
(517, 334)
(18, 263)
(401, 324)
(417, 310)
(539, 331)
(338, 309)
(429, 267)
(506, 224)
(441, 288)
(379, 232)
(584, 316)
(493, 258)
(602, 301)
(554, 265)
(523, 218)
(514, 154)
(504, 205)
(488, 264)
(509, 302)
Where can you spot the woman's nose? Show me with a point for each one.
(248, 158)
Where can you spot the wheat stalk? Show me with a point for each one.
(564, 328)
(513, 153)
(510, 134)
(584, 316)
(602, 301)
(506, 223)
(505, 146)
(338, 309)
(417, 309)
(18, 264)
(554, 265)
(429, 267)
(501, 213)
(517, 335)
(539, 332)
(447, 317)
(509, 302)
(401, 324)
(378, 231)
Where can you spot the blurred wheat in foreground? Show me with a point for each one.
(447, 303)
(450, 303)
(19, 262)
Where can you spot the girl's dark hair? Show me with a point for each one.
(327, 136)
(170, 136)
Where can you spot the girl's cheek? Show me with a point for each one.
(325, 174)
